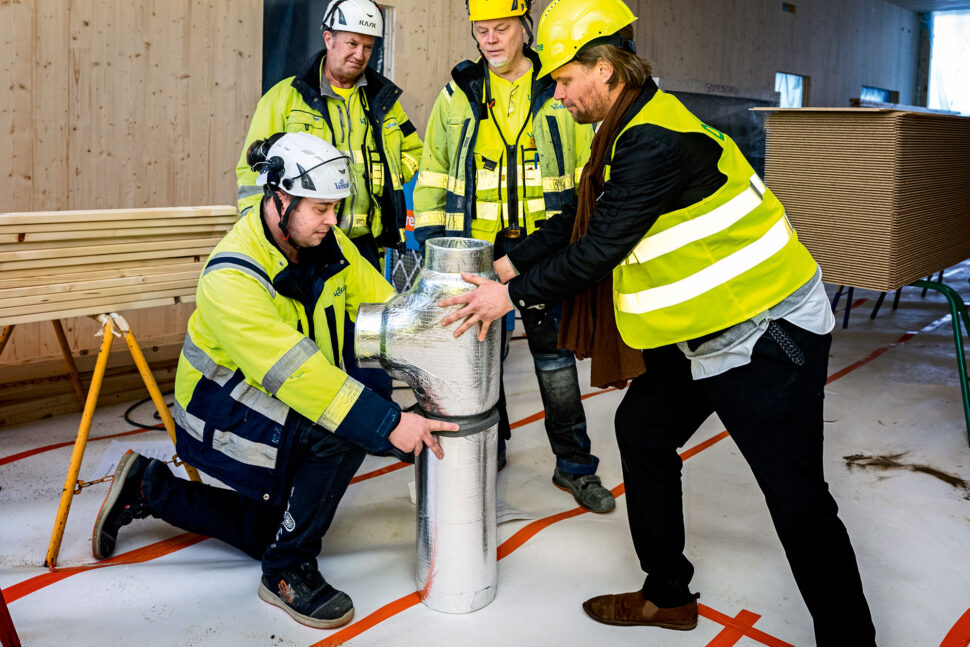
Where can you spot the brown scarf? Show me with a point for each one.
(588, 324)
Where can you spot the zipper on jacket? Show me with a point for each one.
(511, 184)
(335, 346)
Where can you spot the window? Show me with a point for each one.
(792, 88)
(880, 95)
(949, 53)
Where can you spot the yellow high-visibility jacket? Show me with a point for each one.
(459, 193)
(694, 240)
(259, 350)
(372, 129)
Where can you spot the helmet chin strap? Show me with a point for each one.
(284, 215)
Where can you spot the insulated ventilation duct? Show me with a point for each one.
(455, 380)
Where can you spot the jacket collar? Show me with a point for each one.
(647, 92)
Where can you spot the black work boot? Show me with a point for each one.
(305, 595)
(123, 504)
(588, 490)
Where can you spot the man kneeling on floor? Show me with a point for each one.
(261, 402)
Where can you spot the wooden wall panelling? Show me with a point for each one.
(743, 43)
(16, 107)
(112, 104)
(51, 82)
(428, 43)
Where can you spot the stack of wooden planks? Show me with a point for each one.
(74, 263)
(70, 264)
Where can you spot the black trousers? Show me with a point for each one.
(279, 536)
(555, 369)
(773, 411)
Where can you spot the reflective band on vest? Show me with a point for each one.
(701, 227)
(433, 179)
(711, 276)
(711, 264)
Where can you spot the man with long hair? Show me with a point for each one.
(705, 275)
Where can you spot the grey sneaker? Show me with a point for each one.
(588, 490)
(305, 595)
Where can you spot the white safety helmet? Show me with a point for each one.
(302, 165)
(357, 16)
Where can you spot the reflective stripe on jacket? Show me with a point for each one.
(710, 265)
(253, 353)
(458, 195)
(382, 164)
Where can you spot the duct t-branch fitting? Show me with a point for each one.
(455, 380)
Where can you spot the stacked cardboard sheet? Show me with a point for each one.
(880, 197)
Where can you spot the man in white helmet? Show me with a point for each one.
(261, 402)
(340, 100)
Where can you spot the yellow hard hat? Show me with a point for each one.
(567, 25)
(493, 9)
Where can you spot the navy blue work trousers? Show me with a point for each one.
(280, 536)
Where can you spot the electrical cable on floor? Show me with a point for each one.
(156, 416)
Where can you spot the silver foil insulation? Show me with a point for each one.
(457, 570)
(404, 336)
(455, 380)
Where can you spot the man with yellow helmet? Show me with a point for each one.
(710, 281)
(501, 156)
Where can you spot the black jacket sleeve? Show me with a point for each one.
(648, 175)
(553, 236)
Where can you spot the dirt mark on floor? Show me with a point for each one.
(894, 462)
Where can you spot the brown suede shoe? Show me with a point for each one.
(631, 609)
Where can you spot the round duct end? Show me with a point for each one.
(454, 255)
(367, 335)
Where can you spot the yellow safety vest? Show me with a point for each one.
(710, 265)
